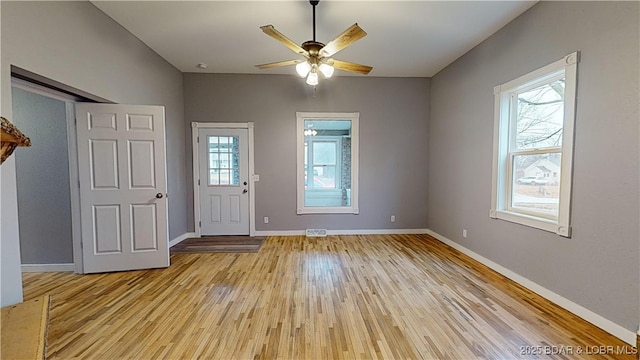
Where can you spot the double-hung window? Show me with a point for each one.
(322, 159)
(533, 147)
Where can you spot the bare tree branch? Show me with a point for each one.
(544, 138)
(533, 103)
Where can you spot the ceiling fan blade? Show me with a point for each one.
(353, 67)
(278, 64)
(348, 37)
(271, 31)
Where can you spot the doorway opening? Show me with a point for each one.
(84, 157)
(48, 207)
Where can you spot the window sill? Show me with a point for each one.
(532, 221)
(328, 210)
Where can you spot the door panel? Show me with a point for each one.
(121, 161)
(104, 164)
(234, 209)
(101, 121)
(106, 225)
(143, 219)
(224, 175)
(139, 122)
(141, 161)
(214, 206)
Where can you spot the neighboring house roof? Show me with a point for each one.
(544, 165)
(544, 168)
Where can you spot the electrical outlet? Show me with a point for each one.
(393, 218)
(266, 219)
(464, 233)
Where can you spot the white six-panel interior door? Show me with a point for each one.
(123, 187)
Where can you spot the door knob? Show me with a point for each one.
(245, 183)
(244, 191)
(159, 196)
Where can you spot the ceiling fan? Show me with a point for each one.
(318, 55)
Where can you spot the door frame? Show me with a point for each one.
(72, 153)
(195, 127)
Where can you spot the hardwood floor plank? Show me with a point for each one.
(339, 297)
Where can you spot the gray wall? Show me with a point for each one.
(598, 267)
(42, 173)
(394, 113)
(76, 44)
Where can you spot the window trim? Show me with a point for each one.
(300, 118)
(501, 176)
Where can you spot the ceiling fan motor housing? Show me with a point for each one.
(313, 47)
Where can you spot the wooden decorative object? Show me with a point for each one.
(11, 138)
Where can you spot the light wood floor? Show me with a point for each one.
(387, 296)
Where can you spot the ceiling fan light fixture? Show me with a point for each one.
(326, 70)
(312, 78)
(303, 68)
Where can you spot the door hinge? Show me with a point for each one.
(198, 181)
(198, 139)
(199, 223)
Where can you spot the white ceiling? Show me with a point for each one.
(405, 38)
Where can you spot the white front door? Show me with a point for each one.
(123, 200)
(224, 181)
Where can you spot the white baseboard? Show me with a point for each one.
(588, 315)
(345, 232)
(181, 238)
(279, 232)
(377, 232)
(48, 267)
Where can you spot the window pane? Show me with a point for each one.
(540, 116)
(324, 153)
(213, 177)
(225, 178)
(536, 183)
(235, 177)
(213, 161)
(224, 141)
(324, 177)
(213, 144)
(224, 160)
